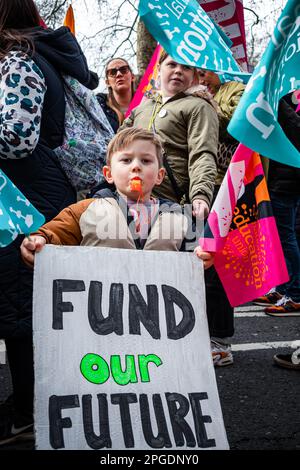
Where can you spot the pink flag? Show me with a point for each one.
(242, 231)
(147, 82)
(297, 96)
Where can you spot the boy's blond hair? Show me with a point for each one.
(124, 138)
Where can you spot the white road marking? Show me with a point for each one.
(268, 345)
(249, 308)
(257, 313)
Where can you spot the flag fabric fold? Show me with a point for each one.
(242, 231)
(189, 35)
(17, 215)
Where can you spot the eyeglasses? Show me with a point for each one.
(113, 72)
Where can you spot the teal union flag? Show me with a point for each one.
(255, 121)
(17, 215)
(190, 36)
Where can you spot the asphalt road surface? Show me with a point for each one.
(260, 401)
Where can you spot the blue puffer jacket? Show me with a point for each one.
(40, 176)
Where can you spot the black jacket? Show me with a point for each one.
(108, 111)
(40, 176)
(285, 179)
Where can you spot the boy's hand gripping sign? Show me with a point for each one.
(122, 352)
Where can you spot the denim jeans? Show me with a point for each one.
(285, 211)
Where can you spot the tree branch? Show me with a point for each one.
(127, 38)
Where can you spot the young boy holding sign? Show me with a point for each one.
(127, 218)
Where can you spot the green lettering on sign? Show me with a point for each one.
(129, 375)
(143, 364)
(94, 368)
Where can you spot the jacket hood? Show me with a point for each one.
(199, 91)
(202, 92)
(61, 49)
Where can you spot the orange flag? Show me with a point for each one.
(70, 20)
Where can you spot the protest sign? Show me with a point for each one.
(122, 351)
(255, 121)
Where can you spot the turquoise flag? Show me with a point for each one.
(17, 214)
(187, 33)
(254, 122)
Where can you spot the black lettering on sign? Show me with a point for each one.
(123, 400)
(93, 440)
(181, 428)
(199, 420)
(113, 322)
(59, 287)
(173, 296)
(56, 422)
(162, 439)
(142, 312)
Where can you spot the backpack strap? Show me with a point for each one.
(179, 193)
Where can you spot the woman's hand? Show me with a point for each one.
(207, 257)
(30, 246)
(200, 209)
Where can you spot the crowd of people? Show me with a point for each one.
(173, 149)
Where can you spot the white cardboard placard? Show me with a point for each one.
(95, 309)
